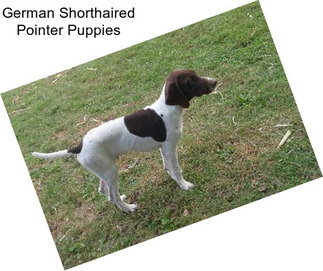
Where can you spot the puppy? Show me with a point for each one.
(156, 126)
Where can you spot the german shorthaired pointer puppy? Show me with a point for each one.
(157, 126)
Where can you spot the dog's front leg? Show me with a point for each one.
(170, 161)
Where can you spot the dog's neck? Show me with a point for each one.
(161, 107)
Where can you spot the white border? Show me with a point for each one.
(281, 232)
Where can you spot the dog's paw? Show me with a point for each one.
(128, 208)
(185, 185)
(131, 208)
(123, 197)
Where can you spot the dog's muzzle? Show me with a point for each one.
(212, 84)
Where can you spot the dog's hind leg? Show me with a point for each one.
(110, 179)
(104, 167)
(103, 189)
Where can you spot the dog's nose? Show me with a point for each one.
(212, 83)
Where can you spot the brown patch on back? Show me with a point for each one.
(146, 123)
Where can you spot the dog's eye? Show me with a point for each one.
(193, 79)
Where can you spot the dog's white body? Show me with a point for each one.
(116, 138)
(103, 144)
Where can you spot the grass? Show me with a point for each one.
(228, 149)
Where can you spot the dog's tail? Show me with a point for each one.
(59, 154)
(52, 155)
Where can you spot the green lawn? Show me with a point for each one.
(228, 148)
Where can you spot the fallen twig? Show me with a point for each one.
(18, 111)
(234, 122)
(56, 79)
(283, 125)
(220, 94)
(98, 121)
(83, 122)
(130, 167)
(286, 136)
(64, 236)
(295, 164)
(59, 76)
(216, 88)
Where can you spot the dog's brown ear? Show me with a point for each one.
(175, 96)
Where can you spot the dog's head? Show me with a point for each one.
(182, 85)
